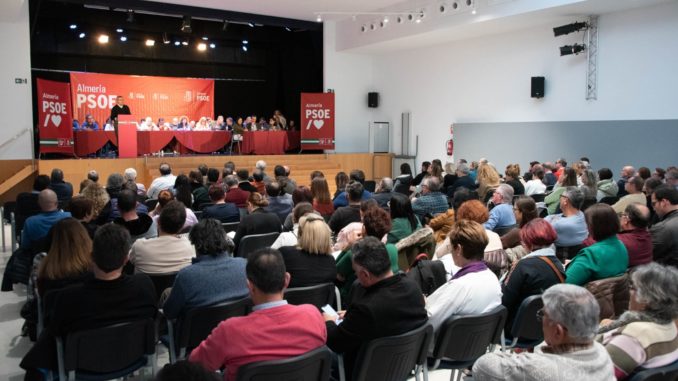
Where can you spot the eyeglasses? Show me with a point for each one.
(540, 315)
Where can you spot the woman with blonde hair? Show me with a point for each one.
(68, 259)
(487, 179)
(98, 195)
(258, 220)
(310, 262)
(322, 202)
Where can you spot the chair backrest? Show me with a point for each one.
(538, 197)
(609, 200)
(252, 242)
(504, 229)
(203, 205)
(161, 282)
(525, 324)
(109, 349)
(197, 323)
(151, 203)
(318, 295)
(420, 241)
(311, 366)
(567, 252)
(198, 214)
(466, 338)
(612, 295)
(664, 373)
(370, 185)
(393, 358)
(230, 226)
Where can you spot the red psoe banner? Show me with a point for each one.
(157, 97)
(317, 121)
(55, 126)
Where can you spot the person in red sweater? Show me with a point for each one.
(274, 329)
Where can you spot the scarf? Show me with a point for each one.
(473, 267)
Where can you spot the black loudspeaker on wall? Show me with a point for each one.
(373, 100)
(537, 87)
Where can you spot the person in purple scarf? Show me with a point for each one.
(473, 289)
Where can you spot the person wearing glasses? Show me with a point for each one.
(645, 335)
(665, 232)
(570, 321)
(634, 193)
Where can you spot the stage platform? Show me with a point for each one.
(375, 166)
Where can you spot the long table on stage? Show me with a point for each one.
(255, 143)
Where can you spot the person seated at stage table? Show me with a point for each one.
(89, 124)
(182, 125)
(280, 119)
(219, 124)
(220, 209)
(147, 125)
(202, 125)
(76, 125)
(228, 126)
(238, 127)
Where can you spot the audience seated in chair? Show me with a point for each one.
(220, 209)
(310, 261)
(536, 185)
(570, 321)
(341, 198)
(199, 191)
(290, 238)
(383, 192)
(501, 216)
(214, 277)
(607, 257)
(138, 225)
(464, 180)
(646, 335)
(107, 298)
(383, 304)
(606, 186)
(568, 179)
(258, 221)
(432, 201)
(234, 194)
(36, 227)
(169, 252)
(403, 220)
(473, 289)
(27, 202)
(524, 210)
(322, 202)
(634, 194)
(512, 178)
(63, 190)
(279, 203)
(665, 232)
(571, 223)
(165, 181)
(351, 213)
(274, 329)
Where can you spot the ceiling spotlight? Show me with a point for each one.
(202, 46)
(418, 21)
(130, 15)
(204, 38)
(319, 18)
(150, 42)
(287, 28)
(245, 42)
(177, 43)
(473, 12)
(165, 39)
(250, 24)
(244, 48)
(354, 17)
(225, 26)
(213, 45)
(186, 24)
(572, 49)
(82, 35)
(184, 43)
(73, 26)
(123, 38)
(569, 28)
(385, 19)
(103, 39)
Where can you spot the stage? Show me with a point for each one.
(375, 166)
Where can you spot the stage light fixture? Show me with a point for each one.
(319, 18)
(213, 45)
(225, 26)
(73, 26)
(202, 46)
(288, 29)
(103, 39)
(165, 39)
(177, 43)
(204, 38)
(569, 28)
(245, 42)
(250, 24)
(184, 43)
(82, 35)
(123, 38)
(119, 30)
(130, 15)
(244, 48)
(572, 49)
(385, 20)
(186, 24)
(150, 42)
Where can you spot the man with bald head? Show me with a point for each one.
(635, 234)
(626, 173)
(36, 227)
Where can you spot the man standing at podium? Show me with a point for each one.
(120, 108)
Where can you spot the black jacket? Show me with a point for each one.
(461, 182)
(665, 240)
(258, 222)
(64, 192)
(390, 307)
(344, 216)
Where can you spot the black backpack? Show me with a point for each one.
(427, 274)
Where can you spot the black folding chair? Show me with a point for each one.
(252, 242)
(538, 197)
(392, 358)
(162, 282)
(311, 366)
(106, 353)
(318, 295)
(370, 186)
(463, 339)
(526, 331)
(663, 373)
(197, 323)
(151, 203)
(504, 229)
(230, 226)
(609, 200)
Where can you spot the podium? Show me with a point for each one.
(127, 136)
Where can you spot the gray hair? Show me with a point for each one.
(231, 180)
(260, 165)
(506, 192)
(589, 178)
(657, 287)
(386, 184)
(463, 168)
(130, 174)
(575, 308)
(115, 181)
(432, 182)
(575, 195)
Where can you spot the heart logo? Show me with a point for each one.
(56, 119)
(318, 123)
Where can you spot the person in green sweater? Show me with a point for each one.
(376, 223)
(403, 220)
(604, 259)
(567, 179)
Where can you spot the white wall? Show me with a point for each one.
(15, 99)
(488, 80)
